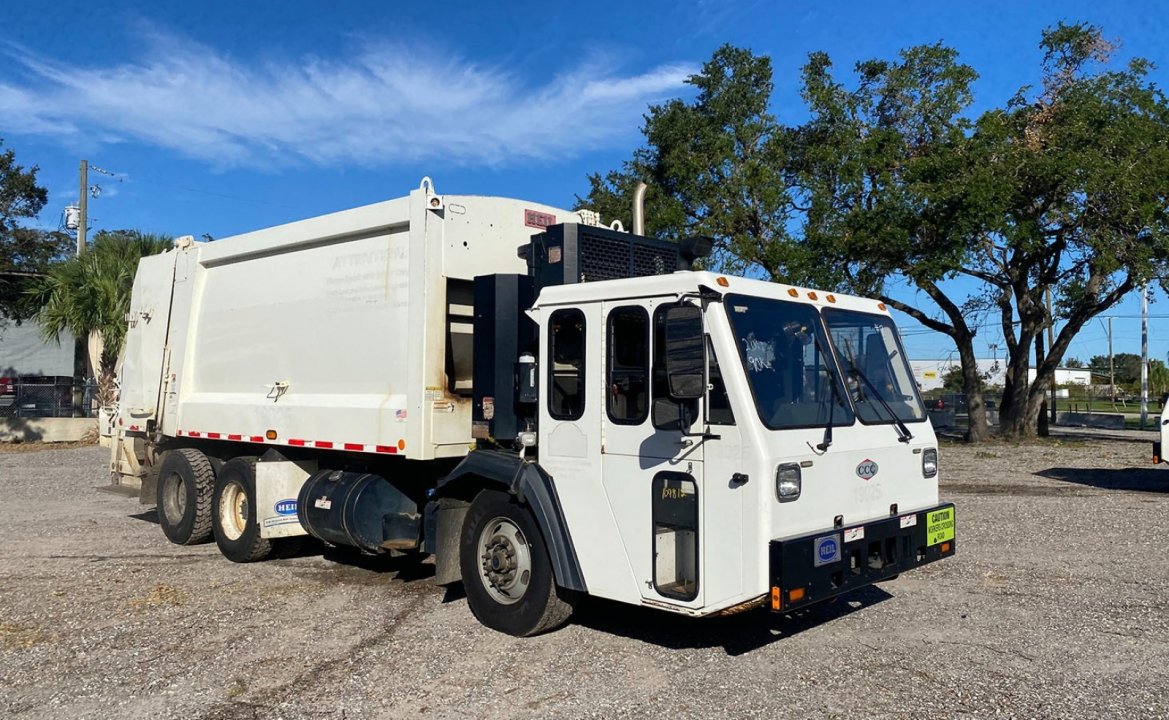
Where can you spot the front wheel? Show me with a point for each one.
(507, 574)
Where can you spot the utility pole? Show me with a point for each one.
(1144, 355)
(1111, 365)
(1051, 344)
(81, 203)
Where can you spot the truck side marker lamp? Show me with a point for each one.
(776, 598)
(945, 547)
(795, 595)
(271, 434)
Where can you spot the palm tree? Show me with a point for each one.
(89, 295)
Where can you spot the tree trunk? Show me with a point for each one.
(972, 386)
(1015, 414)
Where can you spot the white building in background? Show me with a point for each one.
(24, 353)
(930, 374)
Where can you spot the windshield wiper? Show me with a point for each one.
(827, 442)
(903, 433)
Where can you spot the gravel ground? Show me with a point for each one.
(1055, 606)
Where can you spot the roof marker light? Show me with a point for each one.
(793, 292)
(722, 281)
(880, 306)
(812, 295)
(830, 298)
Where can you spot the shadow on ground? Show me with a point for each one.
(150, 516)
(736, 634)
(1147, 479)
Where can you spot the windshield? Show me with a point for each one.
(792, 375)
(875, 366)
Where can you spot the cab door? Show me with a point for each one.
(681, 535)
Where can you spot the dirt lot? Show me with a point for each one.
(1057, 605)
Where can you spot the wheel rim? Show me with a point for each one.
(233, 510)
(505, 561)
(174, 498)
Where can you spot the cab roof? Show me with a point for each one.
(691, 282)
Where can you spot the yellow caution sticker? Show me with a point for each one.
(939, 526)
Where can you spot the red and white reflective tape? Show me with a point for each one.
(295, 442)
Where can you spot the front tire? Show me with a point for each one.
(234, 513)
(183, 495)
(506, 571)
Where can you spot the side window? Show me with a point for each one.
(719, 411)
(661, 388)
(628, 343)
(566, 369)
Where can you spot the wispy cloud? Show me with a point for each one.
(379, 106)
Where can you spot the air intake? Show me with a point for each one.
(571, 253)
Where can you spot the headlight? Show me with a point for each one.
(929, 463)
(787, 482)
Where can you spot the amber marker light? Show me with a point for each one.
(945, 547)
(813, 296)
(793, 292)
(830, 298)
(880, 306)
(776, 599)
(723, 282)
(795, 594)
(271, 434)
(401, 444)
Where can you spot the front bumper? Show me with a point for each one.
(808, 569)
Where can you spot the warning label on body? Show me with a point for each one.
(939, 526)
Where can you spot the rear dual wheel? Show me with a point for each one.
(237, 533)
(186, 482)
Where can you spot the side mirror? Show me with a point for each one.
(667, 414)
(685, 353)
(670, 415)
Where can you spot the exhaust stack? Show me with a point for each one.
(639, 209)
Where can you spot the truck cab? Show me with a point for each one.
(719, 437)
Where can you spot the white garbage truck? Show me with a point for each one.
(548, 406)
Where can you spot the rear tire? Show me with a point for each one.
(506, 571)
(234, 513)
(183, 494)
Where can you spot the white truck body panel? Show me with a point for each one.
(277, 486)
(262, 327)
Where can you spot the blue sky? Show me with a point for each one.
(220, 117)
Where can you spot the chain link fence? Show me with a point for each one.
(47, 397)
